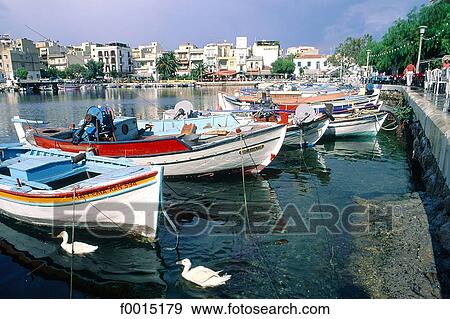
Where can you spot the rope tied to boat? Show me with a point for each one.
(247, 221)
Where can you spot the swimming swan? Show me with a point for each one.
(78, 248)
(202, 276)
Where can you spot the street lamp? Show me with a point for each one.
(367, 64)
(422, 30)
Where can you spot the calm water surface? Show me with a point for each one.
(286, 265)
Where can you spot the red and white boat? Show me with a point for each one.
(252, 146)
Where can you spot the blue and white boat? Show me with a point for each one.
(51, 187)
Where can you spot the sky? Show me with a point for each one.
(320, 23)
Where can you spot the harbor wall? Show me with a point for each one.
(428, 138)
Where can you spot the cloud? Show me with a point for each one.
(368, 16)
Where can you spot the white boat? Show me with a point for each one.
(182, 153)
(54, 188)
(368, 123)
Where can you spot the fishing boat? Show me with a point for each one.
(303, 125)
(357, 124)
(249, 147)
(54, 188)
(341, 101)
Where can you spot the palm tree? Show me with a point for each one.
(199, 71)
(167, 65)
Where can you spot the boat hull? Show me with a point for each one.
(131, 205)
(367, 125)
(312, 133)
(254, 152)
(259, 145)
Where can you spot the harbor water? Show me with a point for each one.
(287, 262)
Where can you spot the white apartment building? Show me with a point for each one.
(144, 60)
(311, 63)
(183, 55)
(210, 53)
(115, 56)
(270, 51)
(195, 57)
(241, 52)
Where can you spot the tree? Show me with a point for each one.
(93, 70)
(74, 71)
(21, 73)
(199, 71)
(352, 51)
(283, 66)
(114, 74)
(167, 65)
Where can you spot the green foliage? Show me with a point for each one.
(352, 51)
(93, 70)
(74, 71)
(21, 73)
(404, 113)
(167, 66)
(283, 66)
(399, 45)
(51, 72)
(199, 71)
(114, 74)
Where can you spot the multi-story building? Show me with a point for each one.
(115, 56)
(144, 60)
(183, 54)
(21, 53)
(301, 50)
(61, 61)
(195, 57)
(224, 55)
(210, 53)
(241, 52)
(270, 51)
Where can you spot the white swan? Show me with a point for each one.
(202, 276)
(78, 248)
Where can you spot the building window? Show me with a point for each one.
(318, 65)
(309, 63)
(325, 63)
(113, 53)
(113, 60)
(299, 64)
(106, 53)
(100, 53)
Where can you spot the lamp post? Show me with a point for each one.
(367, 64)
(422, 30)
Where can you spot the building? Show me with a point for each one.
(144, 60)
(310, 64)
(62, 60)
(241, 53)
(224, 55)
(210, 54)
(183, 55)
(270, 51)
(21, 53)
(195, 57)
(116, 56)
(295, 51)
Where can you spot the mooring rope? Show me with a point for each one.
(73, 241)
(329, 244)
(247, 219)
